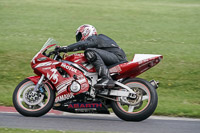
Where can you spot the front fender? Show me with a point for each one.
(35, 80)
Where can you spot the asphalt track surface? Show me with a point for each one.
(92, 122)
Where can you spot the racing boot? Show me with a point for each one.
(106, 81)
(94, 58)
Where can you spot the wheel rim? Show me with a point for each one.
(142, 100)
(32, 101)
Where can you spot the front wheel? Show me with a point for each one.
(142, 106)
(30, 103)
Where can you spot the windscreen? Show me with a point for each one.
(50, 41)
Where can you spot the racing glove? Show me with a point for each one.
(61, 49)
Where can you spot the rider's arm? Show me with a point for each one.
(81, 45)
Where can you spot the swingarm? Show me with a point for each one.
(125, 92)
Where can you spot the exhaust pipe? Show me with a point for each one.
(154, 83)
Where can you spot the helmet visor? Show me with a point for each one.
(78, 36)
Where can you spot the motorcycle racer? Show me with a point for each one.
(68, 83)
(100, 50)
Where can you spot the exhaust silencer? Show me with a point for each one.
(154, 83)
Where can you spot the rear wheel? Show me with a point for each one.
(142, 106)
(30, 103)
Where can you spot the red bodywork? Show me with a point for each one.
(47, 66)
(124, 70)
(62, 84)
(134, 68)
(80, 59)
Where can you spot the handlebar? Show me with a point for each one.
(50, 53)
(56, 54)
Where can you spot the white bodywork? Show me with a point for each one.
(141, 57)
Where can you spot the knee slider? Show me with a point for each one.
(90, 55)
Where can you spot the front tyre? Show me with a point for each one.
(138, 109)
(30, 103)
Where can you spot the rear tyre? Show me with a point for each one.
(34, 104)
(144, 105)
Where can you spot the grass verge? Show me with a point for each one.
(170, 28)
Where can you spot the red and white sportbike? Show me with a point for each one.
(67, 84)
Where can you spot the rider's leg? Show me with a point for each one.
(95, 57)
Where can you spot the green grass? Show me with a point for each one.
(167, 27)
(13, 130)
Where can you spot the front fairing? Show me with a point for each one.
(52, 69)
(41, 56)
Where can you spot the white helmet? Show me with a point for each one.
(85, 31)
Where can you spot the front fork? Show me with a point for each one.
(39, 83)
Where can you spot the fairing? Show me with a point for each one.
(139, 64)
(49, 67)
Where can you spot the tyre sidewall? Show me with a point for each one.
(37, 113)
(144, 114)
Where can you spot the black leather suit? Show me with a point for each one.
(101, 51)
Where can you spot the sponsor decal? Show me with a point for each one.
(143, 61)
(64, 97)
(77, 60)
(81, 79)
(85, 105)
(46, 64)
(69, 67)
(46, 68)
(63, 85)
(115, 69)
(53, 77)
(64, 88)
(84, 86)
